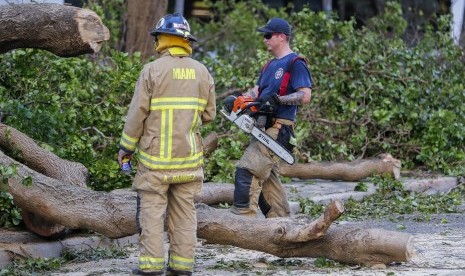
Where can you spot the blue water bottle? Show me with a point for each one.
(126, 166)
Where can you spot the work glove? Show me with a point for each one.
(122, 154)
(270, 103)
(228, 102)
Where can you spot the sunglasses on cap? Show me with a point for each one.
(268, 35)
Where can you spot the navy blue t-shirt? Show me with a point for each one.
(269, 82)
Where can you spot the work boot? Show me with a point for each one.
(243, 211)
(172, 272)
(137, 271)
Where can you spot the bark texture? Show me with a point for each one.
(210, 143)
(383, 164)
(47, 163)
(43, 161)
(62, 30)
(342, 244)
(142, 17)
(215, 193)
(111, 214)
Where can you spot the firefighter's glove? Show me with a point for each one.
(228, 102)
(269, 104)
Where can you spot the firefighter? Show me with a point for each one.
(174, 96)
(284, 83)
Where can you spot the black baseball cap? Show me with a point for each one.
(276, 25)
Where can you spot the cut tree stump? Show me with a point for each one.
(65, 31)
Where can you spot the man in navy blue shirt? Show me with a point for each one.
(284, 83)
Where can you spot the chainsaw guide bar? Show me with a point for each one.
(247, 124)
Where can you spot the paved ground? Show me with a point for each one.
(439, 243)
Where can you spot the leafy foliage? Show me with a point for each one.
(112, 13)
(31, 266)
(309, 207)
(10, 215)
(323, 262)
(73, 107)
(39, 266)
(82, 256)
(391, 200)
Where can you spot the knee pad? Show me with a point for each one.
(242, 181)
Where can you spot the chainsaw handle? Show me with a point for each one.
(251, 104)
(248, 106)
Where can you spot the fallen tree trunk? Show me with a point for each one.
(215, 193)
(343, 244)
(43, 161)
(113, 215)
(210, 143)
(66, 31)
(383, 164)
(33, 156)
(47, 163)
(40, 160)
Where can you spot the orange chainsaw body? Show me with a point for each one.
(243, 102)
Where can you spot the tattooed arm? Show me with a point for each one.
(300, 97)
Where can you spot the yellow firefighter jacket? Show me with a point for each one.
(174, 95)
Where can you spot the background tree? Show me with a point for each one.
(130, 23)
(142, 15)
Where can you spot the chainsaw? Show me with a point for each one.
(242, 114)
